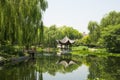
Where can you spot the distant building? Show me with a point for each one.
(84, 34)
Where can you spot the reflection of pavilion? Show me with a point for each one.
(66, 62)
(65, 44)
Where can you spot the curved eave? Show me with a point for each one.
(66, 43)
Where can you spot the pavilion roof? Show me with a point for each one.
(66, 41)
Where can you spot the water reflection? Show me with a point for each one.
(79, 74)
(51, 67)
(104, 68)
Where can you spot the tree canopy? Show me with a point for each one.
(106, 34)
(20, 20)
(111, 38)
(53, 33)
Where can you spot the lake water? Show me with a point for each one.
(51, 67)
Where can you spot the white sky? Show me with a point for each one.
(78, 13)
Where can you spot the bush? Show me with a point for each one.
(111, 38)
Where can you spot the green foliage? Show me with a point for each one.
(20, 24)
(70, 32)
(20, 20)
(111, 38)
(86, 40)
(106, 34)
(53, 33)
(9, 51)
(110, 28)
(94, 33)
(112, 18)
(50, 36)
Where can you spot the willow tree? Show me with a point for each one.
(20, 20)
(94, 33)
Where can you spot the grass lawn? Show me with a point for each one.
(83, 50)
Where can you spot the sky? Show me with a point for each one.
(78, 13)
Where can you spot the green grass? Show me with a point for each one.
(84, 51)
(84, 48)
(38, 49)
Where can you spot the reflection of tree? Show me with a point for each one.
(39, 69)
(21, 71)
(113, 67)
(51, 66)
(106, 68)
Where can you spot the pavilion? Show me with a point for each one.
(65, 43)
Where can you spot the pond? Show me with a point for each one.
(72, 67)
